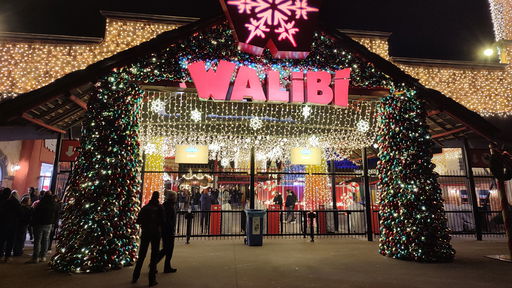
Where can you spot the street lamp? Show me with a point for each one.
(489, 52)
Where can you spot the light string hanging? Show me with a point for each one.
(230, 128)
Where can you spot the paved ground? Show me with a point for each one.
(332, 262)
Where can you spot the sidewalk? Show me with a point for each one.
(328, 262)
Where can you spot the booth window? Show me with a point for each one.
(45, 176)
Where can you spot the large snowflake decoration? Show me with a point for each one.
(276, 20)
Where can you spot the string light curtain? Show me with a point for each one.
(231, 128)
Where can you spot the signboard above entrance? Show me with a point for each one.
(305, 87)
(306, 156)
(191, 154)
(284, 26)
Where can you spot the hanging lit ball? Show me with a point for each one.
(214, 147)
(314, 141)
(158, 106)
(363, 126)
(306, 111)
(224, 162)
(256, 123)
(195, 115)
(150, 149)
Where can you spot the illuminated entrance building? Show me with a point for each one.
(248, 97)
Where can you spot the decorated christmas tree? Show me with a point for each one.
(98, 226)
(413, 223)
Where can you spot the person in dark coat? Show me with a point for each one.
(34, 196)
(4, 195)
(151, 220)
(43, 218)
(168, 232)
(291, 199)
(196, 200)
(12, 209)
(25, 220)
(278, 200)
(206, 206)
(55, 226)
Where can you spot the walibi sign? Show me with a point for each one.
(305, 87)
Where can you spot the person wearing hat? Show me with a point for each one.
(151, 220)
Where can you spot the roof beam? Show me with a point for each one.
(27, 117)
(78, 102)
(448, 132)
(433, 112)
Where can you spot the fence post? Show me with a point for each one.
(305, 228)
(55, 171)
(471, 185)
(142, 173)
(253, 178)
(333, 192)
(311, 216)
(367, 196)
(189, 216)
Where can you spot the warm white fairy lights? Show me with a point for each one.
(27, 65)
(228, 128)
(501, 12)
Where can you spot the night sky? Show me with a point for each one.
(437, 29)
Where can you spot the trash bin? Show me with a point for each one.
(254, 227)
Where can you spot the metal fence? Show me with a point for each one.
(458, 204)
(277, 223)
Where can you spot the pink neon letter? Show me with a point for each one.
(297, 89)
(247, 85)
(214, 84)
(341, 81)
(274, 91)
(317, 87)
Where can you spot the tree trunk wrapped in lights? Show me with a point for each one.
(413, 223)
(98, 226)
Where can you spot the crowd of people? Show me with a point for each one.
(230, 199)
(36, 214)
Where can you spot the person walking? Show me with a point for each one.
(25, 220)
(206, 206)
(12, 212)
(43, 218)
(168, 232)
(151, 220)
(291, 199)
